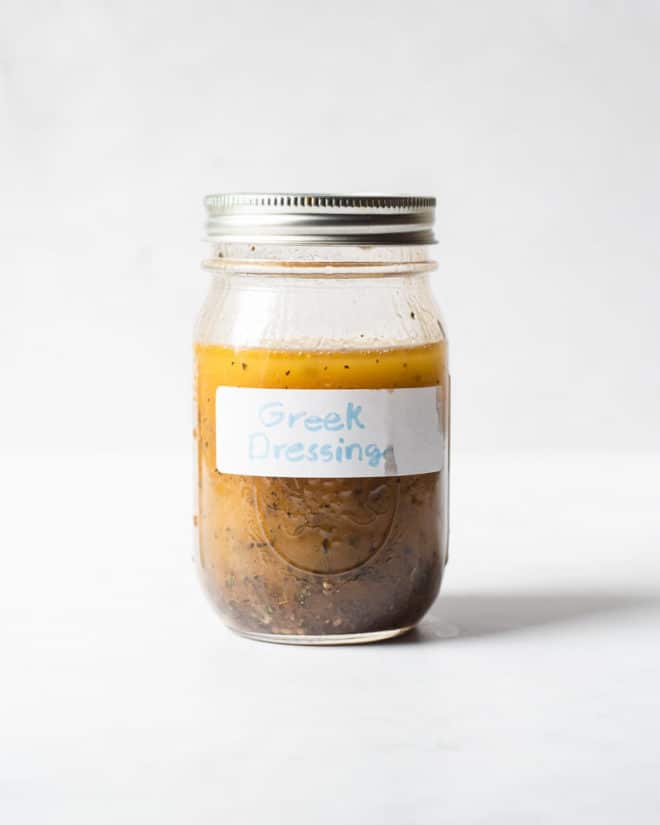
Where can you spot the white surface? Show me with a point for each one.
(530, 695)
(536, 124)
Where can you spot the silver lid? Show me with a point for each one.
(307, 219)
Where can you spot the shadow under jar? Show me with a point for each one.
(322, 417)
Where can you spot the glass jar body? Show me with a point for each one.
(339, 557)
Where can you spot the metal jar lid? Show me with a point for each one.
(305, 219)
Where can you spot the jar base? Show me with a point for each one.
(328, 639)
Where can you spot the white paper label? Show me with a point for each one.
(329, 433)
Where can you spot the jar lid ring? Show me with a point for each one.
(320, 218)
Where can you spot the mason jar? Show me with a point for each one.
(321, 395)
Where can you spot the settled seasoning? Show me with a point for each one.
(318, 556)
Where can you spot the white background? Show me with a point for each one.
(537, 126)
(532, 694)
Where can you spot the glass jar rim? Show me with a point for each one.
(327, 261)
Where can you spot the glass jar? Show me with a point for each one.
(321, 417)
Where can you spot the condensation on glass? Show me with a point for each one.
(321, 398)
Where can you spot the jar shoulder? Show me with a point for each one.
(320, 313)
